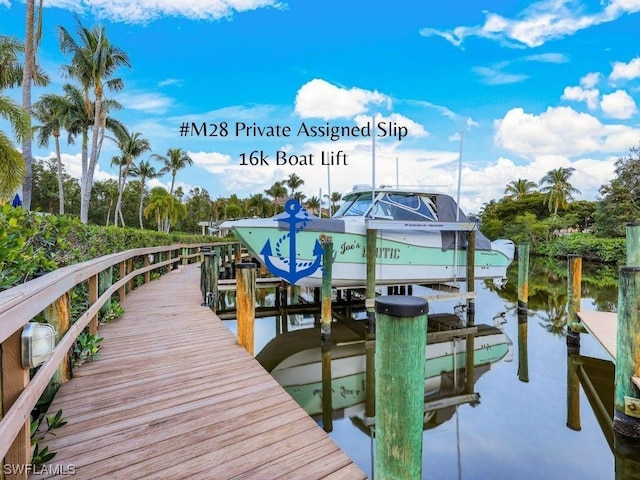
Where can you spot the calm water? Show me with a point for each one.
(519, 429)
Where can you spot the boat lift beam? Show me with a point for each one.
(375, 224)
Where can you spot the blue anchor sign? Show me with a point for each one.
(296, 270)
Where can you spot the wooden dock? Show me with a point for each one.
(174, 396)
(603, 327)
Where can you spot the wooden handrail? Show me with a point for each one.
(20, 304)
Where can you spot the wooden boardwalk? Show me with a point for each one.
(603, 326)
(173, 396)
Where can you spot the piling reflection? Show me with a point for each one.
(596, 377)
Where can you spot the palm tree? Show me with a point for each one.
(94, 61)
(30, 74)
(313, 204)
(335, 199)
(516, 189)
(165, 208)
(293, 182)
(144, 170)
(131, 145)
(557, 187)
(51, 111)
(175, 160)
(12, 167)
(276, 192)
(259, 204)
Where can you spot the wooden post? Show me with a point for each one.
(370, 336)
(122, 269)
(185, 258)
(246, 304)
(93, 297)
(327, 261)
(215, 271)
(204, 277)
(400, 357)
(147, 262)
(574, 295)
(626, 421)
(471, 312)
(523, 311)
(14, 381)
(633, 244)
(129, 270)
(57, 315)
(175, 254)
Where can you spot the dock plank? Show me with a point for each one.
(174, 396)
(603, 326)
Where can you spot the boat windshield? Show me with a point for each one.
(355, 206)
(405, 206)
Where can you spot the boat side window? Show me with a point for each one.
(405, 207)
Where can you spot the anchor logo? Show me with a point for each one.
(293, 274)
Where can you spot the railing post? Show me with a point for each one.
(400, 358)
(147, 275)
(574, 295)
(246, 304)
(57, 315)
(185, 259)
(93, 297)
(122, 268)
(14, 381)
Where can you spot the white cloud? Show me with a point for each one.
(548, 58)
(170, 81)
(144, 11)
(538, 23)
(495, 76)
(212, 162)
(73, 166)
(145, 101)
(561, 131)
(618, 104)
(321, 99)
(590, 80)
(625, 71)
(578, 94)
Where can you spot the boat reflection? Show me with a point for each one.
(294, 359)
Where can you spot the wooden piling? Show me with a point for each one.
(93, 297)
(633, 244)
(626, 420)
(400, 355)
(573, 391)
(246, 304)
(370, 342)
(327, 262)
(574, 296)
(58, 315)
(471, 312)
(523, 310)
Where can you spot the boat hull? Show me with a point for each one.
(401, 257)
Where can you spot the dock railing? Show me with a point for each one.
(50, 294)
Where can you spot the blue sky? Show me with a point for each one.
(530, 85)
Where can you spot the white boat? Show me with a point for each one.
(294, 359)
(416, 240)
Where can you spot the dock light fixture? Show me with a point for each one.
(38, 343)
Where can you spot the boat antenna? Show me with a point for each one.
(397, 175)
(373, 159)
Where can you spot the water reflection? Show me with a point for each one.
(548, 291)
(520, 429)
